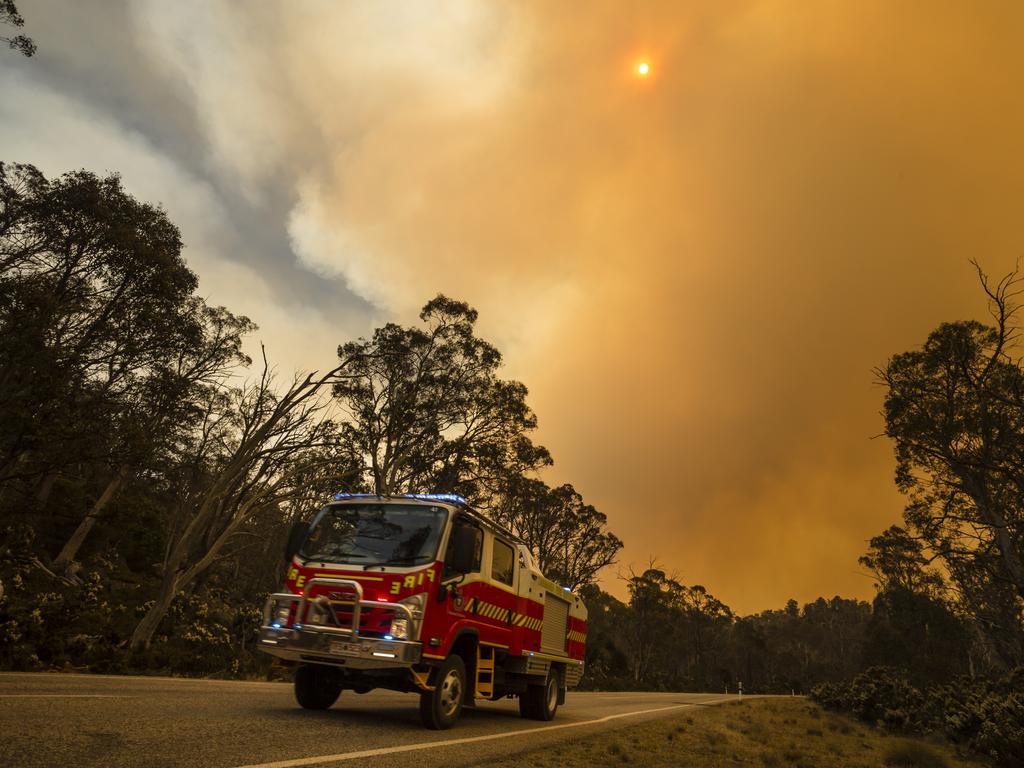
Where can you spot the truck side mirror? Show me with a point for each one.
(462, 549)
(296, 537)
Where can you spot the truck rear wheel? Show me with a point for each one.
(316, 687)
(441, 707)
(540, 702)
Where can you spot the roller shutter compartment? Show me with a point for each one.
(556, 624)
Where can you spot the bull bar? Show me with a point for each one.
(338, 645)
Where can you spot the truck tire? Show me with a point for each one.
(441, 707)
(540, 702)
(316, 687)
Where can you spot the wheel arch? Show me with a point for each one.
(464, 644)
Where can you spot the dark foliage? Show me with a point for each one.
(918, 633)
(145, 492)
(428, 412)
(955, 411)
(146, 486)
(10, 16)
(984, 714)
(879, 695)
(670, 636)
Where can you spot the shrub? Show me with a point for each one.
(48, 624)
(986, 715)
(879, 695)
(1001, 733)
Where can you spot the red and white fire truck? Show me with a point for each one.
(421, 593)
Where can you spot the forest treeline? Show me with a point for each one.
(670, 636)
(149, 471)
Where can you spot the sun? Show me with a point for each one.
(643, 69)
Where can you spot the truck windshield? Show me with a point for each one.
(375, 534)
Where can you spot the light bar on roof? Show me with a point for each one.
(452, 498)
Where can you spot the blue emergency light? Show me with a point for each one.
(449, 497)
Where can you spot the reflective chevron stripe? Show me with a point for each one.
(577, 637)
(503, 615)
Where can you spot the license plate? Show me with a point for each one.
(341, 648)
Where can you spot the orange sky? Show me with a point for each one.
(694, 273)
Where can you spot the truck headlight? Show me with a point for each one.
(401, 627)
(415, 603)
(278, 612)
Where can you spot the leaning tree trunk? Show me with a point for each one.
(70, 550)
(994, 519)
(178, 574)
(1008, 549)
(145, 629)
(46, 488)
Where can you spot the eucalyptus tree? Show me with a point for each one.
(105, 350)
(702, 632)
(898, 561)
(155, 415)
(94, 297)
(955, 411)
(427, 410)
(653, 620)
(569, 537)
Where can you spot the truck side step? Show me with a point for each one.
(484, 672)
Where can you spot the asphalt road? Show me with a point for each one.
(87, 720)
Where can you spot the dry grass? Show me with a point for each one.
(766, 733)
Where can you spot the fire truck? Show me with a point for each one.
(423, 594)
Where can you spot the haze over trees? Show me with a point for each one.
(426, 410)
(951, 638)
(148, 475)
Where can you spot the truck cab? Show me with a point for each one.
(421, 593)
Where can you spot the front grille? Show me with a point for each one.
(373, 622)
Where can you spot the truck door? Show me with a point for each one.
(458, 602)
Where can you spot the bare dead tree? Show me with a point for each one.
(256, 454)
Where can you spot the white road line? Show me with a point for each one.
(120, 679)
(469, 740)
(63, 696)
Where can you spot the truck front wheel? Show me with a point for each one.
(316, 686)
(441, 707)
(540, 702)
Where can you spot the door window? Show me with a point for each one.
(477, 550)
(502, 562)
